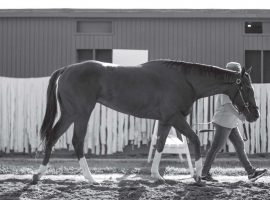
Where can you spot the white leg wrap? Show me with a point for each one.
(155, 166)
(156, 161)
(198, 166)
(85, 169)
(42, 169)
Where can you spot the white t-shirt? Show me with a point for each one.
(223, 116)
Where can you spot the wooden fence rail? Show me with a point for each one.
(23, 103)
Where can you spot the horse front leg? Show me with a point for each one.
(180, 124)
(163, 131)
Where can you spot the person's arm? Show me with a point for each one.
(231, 108)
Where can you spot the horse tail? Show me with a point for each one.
(51, 106)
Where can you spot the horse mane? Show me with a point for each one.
(196, 68)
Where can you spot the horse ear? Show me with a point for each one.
(249, 70)
(243, 71)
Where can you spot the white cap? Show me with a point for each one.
(235, 66)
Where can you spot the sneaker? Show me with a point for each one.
(208, 177)
(258, 173)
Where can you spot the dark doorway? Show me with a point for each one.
(266, 66)
(253, 59)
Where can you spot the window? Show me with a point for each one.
(94, 27)
(253, 27)
(104, 55)
(260, 63)
(84, 54)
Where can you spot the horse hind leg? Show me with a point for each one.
(80, 128)
(59, 128)
(163, 131)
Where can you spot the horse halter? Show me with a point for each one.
(246, 106)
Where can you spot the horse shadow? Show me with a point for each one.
(135, 188)
(209, 192)
(14, 195)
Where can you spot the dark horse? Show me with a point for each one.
(164, 90)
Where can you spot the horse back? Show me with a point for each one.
(141, 91)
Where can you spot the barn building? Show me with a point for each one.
(34, 43)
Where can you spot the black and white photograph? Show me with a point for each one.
(134, 100)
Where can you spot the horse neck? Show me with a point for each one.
(210, 85)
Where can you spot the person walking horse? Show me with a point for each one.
(226, 121)
(163, 90)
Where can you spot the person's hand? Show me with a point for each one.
(242, 117)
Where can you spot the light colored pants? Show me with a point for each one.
(220, 138)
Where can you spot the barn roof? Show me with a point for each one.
(136, 13)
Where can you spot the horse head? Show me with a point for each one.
(242, 96)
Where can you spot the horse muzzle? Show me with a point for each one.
(253, 115)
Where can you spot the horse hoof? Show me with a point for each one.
(92, 181)
(96, 183)
(198, 181)
(36, 178)
(157, 177)
(199, 184)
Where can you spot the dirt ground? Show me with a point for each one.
(130, 188)
(130, 182)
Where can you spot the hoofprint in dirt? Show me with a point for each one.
(131, 187)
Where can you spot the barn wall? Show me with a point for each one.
(35, 47)
(209, 41)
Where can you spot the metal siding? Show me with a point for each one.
(185, 47)
(181, 40)
(38, 46)
(3, 51)
(266, 43)
(34, 47)
(137, 13)
(253, 42)
(226, 41)
(213, 54)
(194, 43)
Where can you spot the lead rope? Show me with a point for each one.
(204, 130)
(245, 138)
(246, 105)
